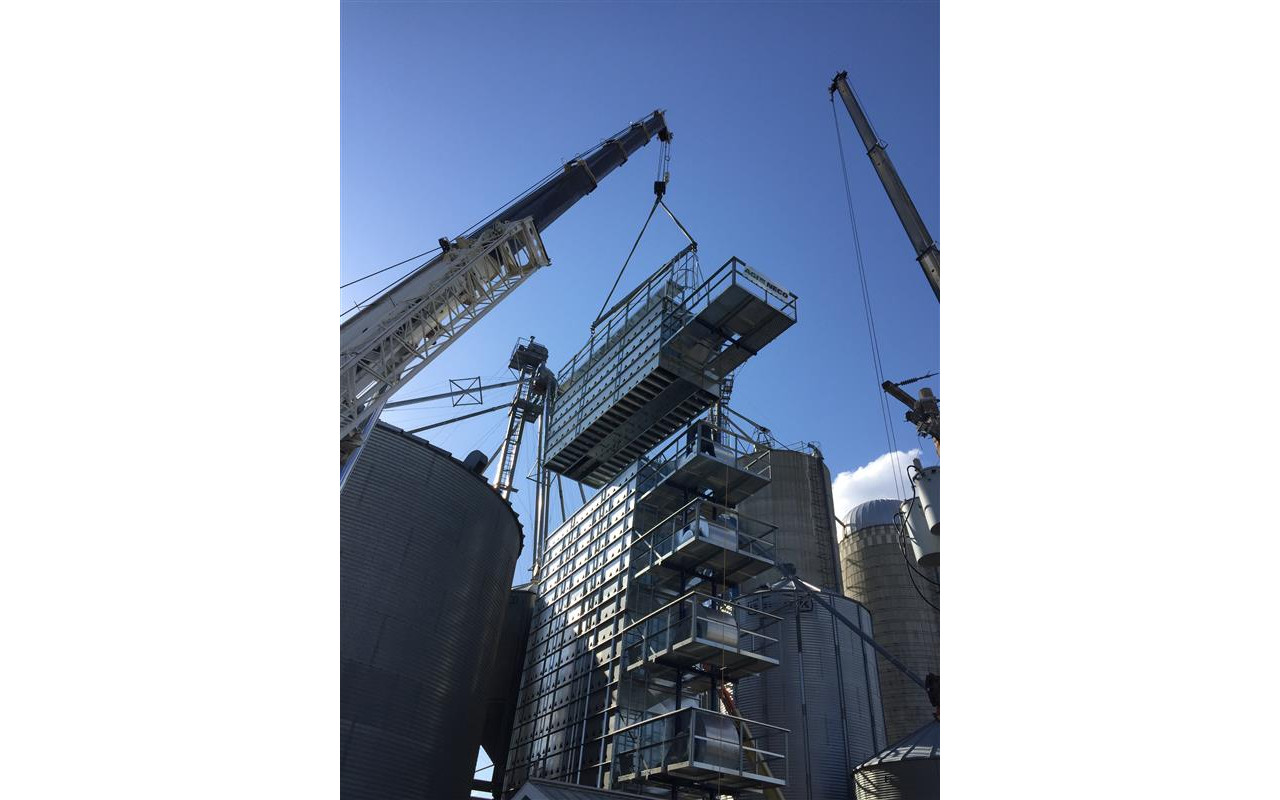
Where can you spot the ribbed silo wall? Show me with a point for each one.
(428, 553)
(877, 575)
(798, 501)
(503, 693)
(824, 691)
(916, 779)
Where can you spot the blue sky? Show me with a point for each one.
(450, 109)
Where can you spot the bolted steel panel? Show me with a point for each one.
(825, 692)
(428, 551)
(798, 501)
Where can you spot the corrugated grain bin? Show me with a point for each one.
(909, 769)
(798, 501)
(504, 679)
(428, 553)
(880, 575)
(825, 691)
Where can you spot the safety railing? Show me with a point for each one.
(666, 282)
(703, 522)
(736, 272)
(698, 744)
(701, 440)
(701, 629)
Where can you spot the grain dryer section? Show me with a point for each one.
(656, 360)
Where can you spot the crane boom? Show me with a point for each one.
(926, 248)
(386, 343)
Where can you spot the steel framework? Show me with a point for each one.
(392, 339)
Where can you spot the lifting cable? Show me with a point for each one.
(659, 189)
(618, 279)
(866, 304)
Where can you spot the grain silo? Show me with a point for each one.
(797, 500)
(824, 691)
(428, 553)
(909, 769)
(503, 694)
(903, 600)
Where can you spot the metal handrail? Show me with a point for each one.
(682, 742)
(661, 540)
(696, 593)
(645, 638)
(747, 455)
(693, 299)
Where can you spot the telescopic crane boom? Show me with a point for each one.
(926, 248)
(386, 343)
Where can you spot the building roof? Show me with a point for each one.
(788, 585)
(540, 789)
(922, 744)
(873, 513)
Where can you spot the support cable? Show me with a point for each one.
(384, 269)
(903, 536)
(866, 304)
(659, 189)
(483, 220)
(677, 222)
(618, 279)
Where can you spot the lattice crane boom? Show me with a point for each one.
(386, 343)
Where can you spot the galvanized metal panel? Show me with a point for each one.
(798, 501)
(824, 692)
(428, 552)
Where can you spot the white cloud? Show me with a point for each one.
(874, 481)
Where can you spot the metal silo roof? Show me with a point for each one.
(873, 513)
(921, 744)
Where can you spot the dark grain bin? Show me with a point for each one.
(428, 553)
(503, 694)
(825, 691)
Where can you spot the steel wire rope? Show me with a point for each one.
(866, 304)
(916, 586)
(384, 269)
(487, 218)
(657, 201)
(902, 536)
(617, 280)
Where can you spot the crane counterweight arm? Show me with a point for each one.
(926, 248)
